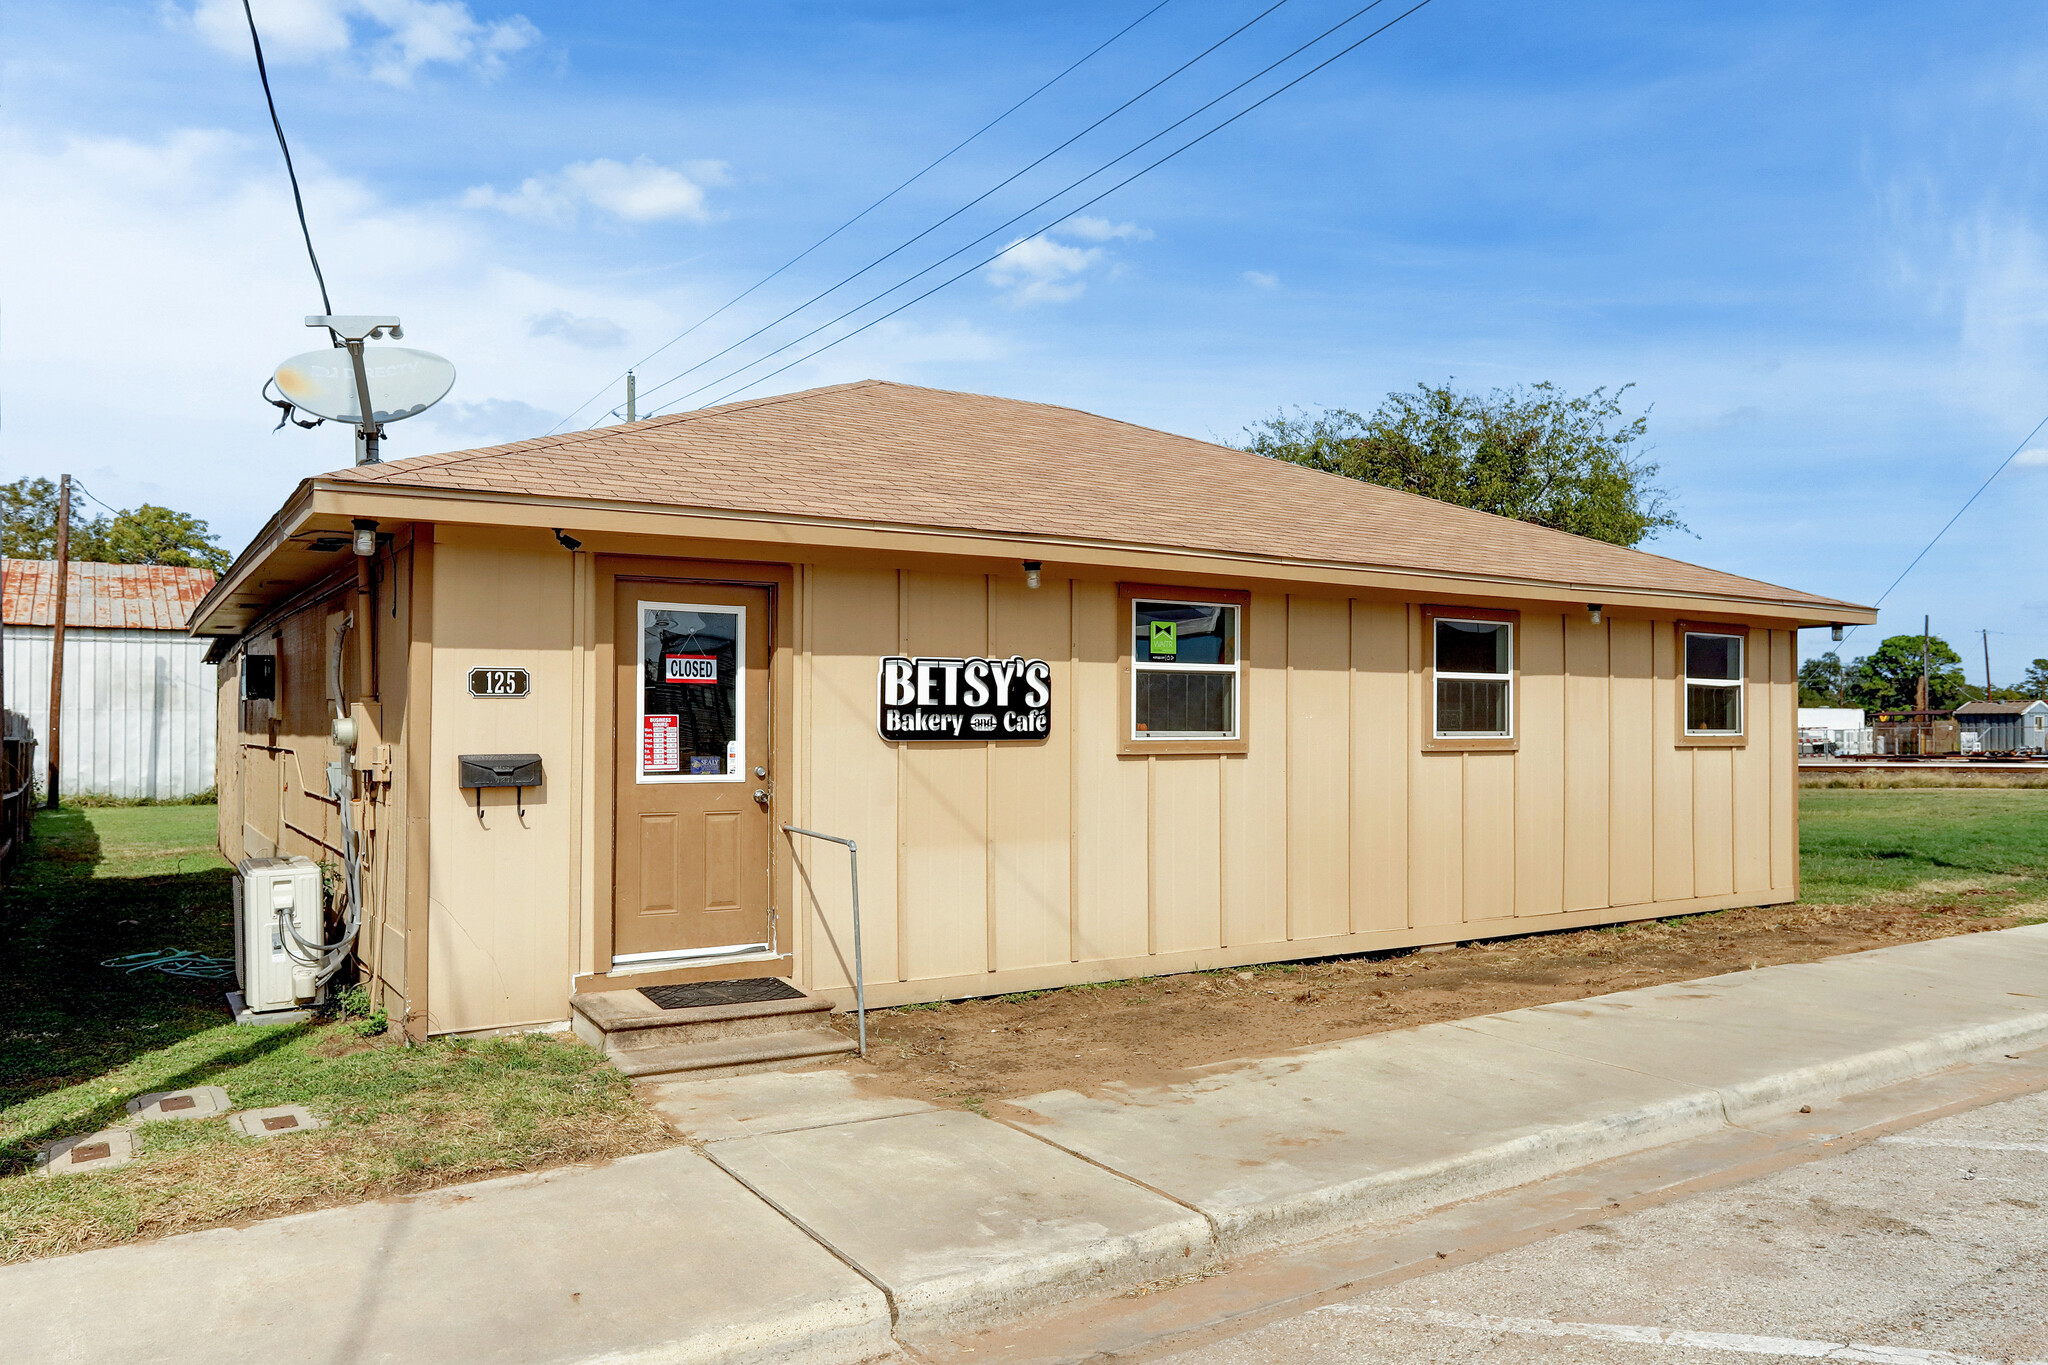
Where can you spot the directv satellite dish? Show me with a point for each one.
(403, 383)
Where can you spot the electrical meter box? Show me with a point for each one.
(275, 973)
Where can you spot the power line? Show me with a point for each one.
(1065, 213)
(282, 146)
(905, 245)
(1954, 519)
(929, 166)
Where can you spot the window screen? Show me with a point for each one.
(1475, 666)
(1184, 670)
(692, 726)
(1713, 684)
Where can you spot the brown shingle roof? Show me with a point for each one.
(112, 596)
(893, 454)
(1995, 708)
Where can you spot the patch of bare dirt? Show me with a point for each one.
(1150, 1031)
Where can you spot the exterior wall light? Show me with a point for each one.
(1031, 568)
(1593, 613)
(1835, 632)
(366, 537)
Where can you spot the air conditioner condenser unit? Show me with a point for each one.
(275, 974)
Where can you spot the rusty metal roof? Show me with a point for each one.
(113, 596)
(893, 454)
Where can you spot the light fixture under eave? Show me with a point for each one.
(1031, 568)
(1593, 613)
(1835, 632)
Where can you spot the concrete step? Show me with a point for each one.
(733, 1056)
(627, 1021)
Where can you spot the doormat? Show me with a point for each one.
(752, 990)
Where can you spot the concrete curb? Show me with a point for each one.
(1773, 1096)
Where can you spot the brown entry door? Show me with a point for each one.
(692, 694)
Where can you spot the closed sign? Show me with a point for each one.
(689, 668)
(941, 699)
(499, 682)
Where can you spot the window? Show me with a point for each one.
(1184, 670)
(1475, 678)
(1713, 683)
(692, 697)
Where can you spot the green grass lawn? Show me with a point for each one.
(78, 1040)
(1857, 845)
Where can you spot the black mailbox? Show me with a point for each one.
(517, 771)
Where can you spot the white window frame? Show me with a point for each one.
(641, 776)
(1688, 682)
(1438, 675)
(1138, 736)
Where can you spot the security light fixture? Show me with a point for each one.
(569, 542)
(1835, 632)
(1593, 613)
(366, 537)
(1031, 568)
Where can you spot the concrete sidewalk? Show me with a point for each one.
(818, 1220)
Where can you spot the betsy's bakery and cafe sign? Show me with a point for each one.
(954, 699)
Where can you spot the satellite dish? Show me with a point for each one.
(403, 382)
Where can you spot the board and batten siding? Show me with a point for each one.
(998, 867)
(138, 709)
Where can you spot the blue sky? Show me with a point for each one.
(1810, 236)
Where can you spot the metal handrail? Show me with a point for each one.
(860, 995)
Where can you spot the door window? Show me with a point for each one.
(692, 697)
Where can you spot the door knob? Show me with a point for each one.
(761, 796)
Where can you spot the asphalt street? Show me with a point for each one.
(1928, 1247)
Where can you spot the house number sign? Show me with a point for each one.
(499, 682)
(970, 699)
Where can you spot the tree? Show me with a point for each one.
(1888, 678)
(144, 535)
(1533, 454)
(2035, 684)
(1823, 681)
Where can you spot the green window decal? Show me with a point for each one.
(1165, 640)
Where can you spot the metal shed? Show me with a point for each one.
(2004, 727)
(138, 692)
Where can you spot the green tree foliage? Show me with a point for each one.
(2035, 684)
(1534, 454)
(1888, 678)
(143, 535)
(1823, 681)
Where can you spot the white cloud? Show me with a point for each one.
(2033, 457)
(393, 38)
(643, 192)
(1043, 269)
(1263, 279)
(591, 333)
(1102, 230)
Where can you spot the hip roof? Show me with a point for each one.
(897, 455)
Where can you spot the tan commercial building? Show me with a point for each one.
(1094, 701)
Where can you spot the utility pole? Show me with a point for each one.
(57, 635)
(1987, 663)
(1921, 700)
(631, 413)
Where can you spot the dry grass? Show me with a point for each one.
(1937, 778)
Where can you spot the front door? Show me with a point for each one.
(691, 878)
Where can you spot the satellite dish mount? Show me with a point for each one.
(407, 382)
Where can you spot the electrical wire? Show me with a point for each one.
(929, 166)
(1954, 519)
(906, 245)
(1063, 215)
(282, 146)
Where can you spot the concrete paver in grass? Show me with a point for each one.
(101, 1151)
(201, 1102)
(966, 1221)
(276, 1120)
(652, 1258)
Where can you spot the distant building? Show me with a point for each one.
(2003, 727)
(139, 695)
(1831, 718)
